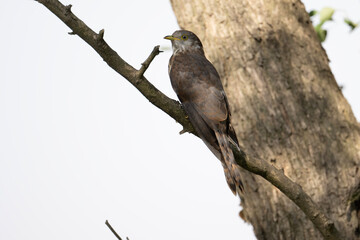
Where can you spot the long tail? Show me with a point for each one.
(231, 168)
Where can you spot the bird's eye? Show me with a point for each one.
(184, 37)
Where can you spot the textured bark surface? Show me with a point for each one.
(286, 108)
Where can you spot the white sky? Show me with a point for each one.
(80, 145)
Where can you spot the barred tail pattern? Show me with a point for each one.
(231, 168)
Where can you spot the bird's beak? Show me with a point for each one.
(169, 37)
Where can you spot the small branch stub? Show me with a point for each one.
(184, 131)
(147, 62)
(187, 129)
(68, 9)
(101, 34)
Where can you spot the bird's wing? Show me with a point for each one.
(202, 128)
(199, 84)
(199, 88)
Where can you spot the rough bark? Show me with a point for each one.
(286, 108)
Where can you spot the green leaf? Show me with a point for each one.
(321, 33)
(351, 24)
(326, 14)
(313, 13)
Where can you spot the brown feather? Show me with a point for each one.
(199, 88)
(228, 157)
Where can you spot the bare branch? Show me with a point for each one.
(173, 109)
(146, 64)
(113, 231)
(156, 97)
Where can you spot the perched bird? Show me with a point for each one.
(199, 88)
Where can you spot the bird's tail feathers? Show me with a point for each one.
(231, 168)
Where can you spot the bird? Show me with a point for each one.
(200, 91)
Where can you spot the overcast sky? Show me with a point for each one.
(79, 144)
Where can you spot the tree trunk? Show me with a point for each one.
(286, 108)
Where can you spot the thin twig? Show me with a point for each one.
(147, 62)
(113, 231)
(255, 165)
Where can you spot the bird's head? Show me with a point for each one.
(183, 40)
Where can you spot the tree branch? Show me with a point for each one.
(96, 41)
(173, 109)
(113, 231)
(291, 189)
(146, 64)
